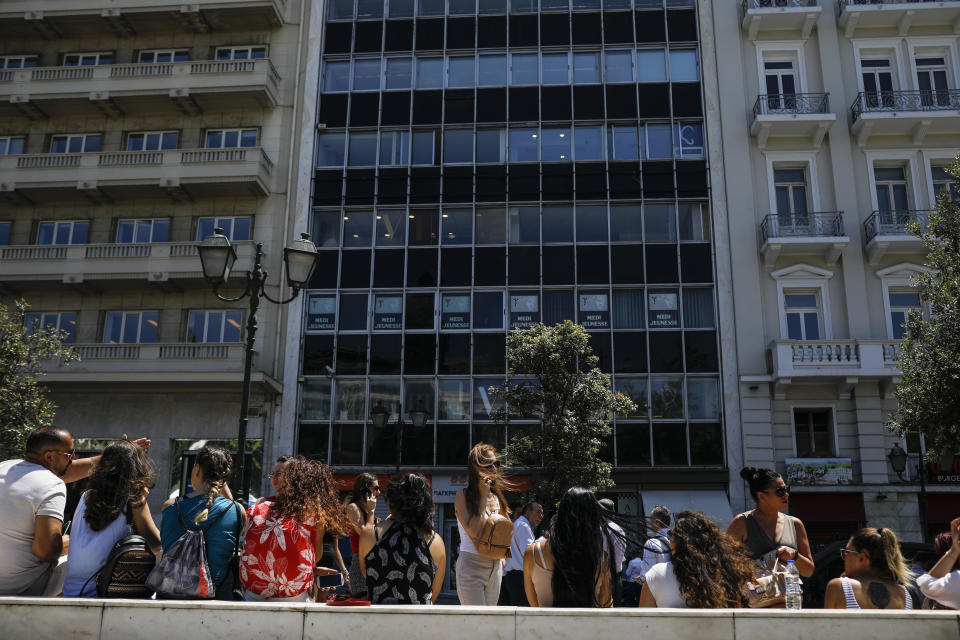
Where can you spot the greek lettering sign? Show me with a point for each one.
(455, 312)
(662, 309)
(524, 311)
(388, 312)
(322, 313)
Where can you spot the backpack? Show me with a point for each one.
(124, 574)
(495, 537)
(400, 569)
(183, 572)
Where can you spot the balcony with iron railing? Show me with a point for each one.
(191, 87)
(889, 232)
(113, 264)
(121, 175)
(21, 19)
(915, 113)
(814, 233)
(783, 16)
(792, 115)
(899, 14)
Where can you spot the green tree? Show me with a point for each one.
(553, 377)
(929, 390)
(23, 401)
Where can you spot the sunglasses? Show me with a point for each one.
(780, 491)
(375, 488)
(845, 552)
(70, 454)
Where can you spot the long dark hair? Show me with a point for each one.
(483, 462)
(411, 502)
(577, 532)
(117, 483)
(759, 480)
(711, 567)
(361, 490)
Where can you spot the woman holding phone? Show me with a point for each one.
(478, 578)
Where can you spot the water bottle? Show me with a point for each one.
(794, 592)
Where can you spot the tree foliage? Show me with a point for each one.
(929, 391)
(23, 401)
(573, 401)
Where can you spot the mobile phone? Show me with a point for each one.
(66, 527)
(329, 581)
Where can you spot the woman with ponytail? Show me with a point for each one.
(874, 574)
(209, 506)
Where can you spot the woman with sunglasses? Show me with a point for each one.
(361, 506)
(478, 578)
(874, 574)
(766, 531)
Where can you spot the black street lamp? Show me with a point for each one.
(898, 460)
(217, 256)
(379, 416)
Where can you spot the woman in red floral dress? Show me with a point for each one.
(284, 535)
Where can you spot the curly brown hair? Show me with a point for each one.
(712, 568)
(308, 489)
(117, 483)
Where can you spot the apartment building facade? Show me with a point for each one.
(128, 134)
(838, 120)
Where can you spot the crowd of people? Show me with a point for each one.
(286, 547)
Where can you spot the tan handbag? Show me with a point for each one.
(495, 537)
(768, 588)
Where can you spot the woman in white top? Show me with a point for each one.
(942, 583)
(478, 578)
(114, 506)
(707, 569)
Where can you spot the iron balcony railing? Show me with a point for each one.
(746, 5)
(843, 4)
(791, 103)
(873, 101)
(802, 225)
(893, 223)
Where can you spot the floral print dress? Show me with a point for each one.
(278, 553)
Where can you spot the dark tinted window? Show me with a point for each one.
(626, 263)
(424, 227)
(385, 353)
(701, 351)
(630, 352)
(453, 444)
(325, 273)
(558, 265)
(388, 268)
(524, 265)
(421, 267)
(633, 444)
(313, 440)
(592, 267)
(706, 444)
(419, 312)
(489, 353)
(355, 270)
(600, 343)
(488, 310)
(670, 444)
(317, 354)
(351, 354)
(661, 263)
(347, 444)
(490, 266)
(455, 267)
(454, 353)
(353, 312)
(557, 307)
(666, 351)
(696, 263)
(418, 354)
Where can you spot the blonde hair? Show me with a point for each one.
(483, 457)
(883, 551)
(215, 465)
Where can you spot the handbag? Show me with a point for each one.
(769, 586)
(495, 537)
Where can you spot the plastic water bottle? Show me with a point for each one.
(794, 592)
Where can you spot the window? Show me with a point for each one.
(341, 10)
(455, 311)
(524, 69)
(457, 226)
(90, 59)
(623, 143)
(488, 310)
(703, 398)
(652, 65)
(698, 308)
(214, 326)
(492, 70)
(943, 182)
(626, 223)
(353, 312)
(18, 62)
(458, 146)
(330, 149)
(398, 73)
(658, 142)
(454, 397)
(524, 145)
(390, 228)
(491, 226)
(5, 233)
(790, 189)
(146, 230)
(618, 66)
(366, 75)
(11, 145)
(429, 73)
(812, 429)
(322, 313)
(462, 7)
(684, 66)
(400, 8)
(592, 224)
(524, 225)
(491, 145)
(230, 138)
(315, 403)
(430, 7)
(394, 148)
(357, 228)
(694, 221)
(556, 68)
(558, 224)
(557, 306)
(461, 71)
(63, 232)
(781, 85)
(363, 150)
(336, 77)
(877, 82)
(593, 309)
(75, 143)
(588, 142)
(241, 53)
(891, 184)
(130, 327)
(688, 140)
(387, 312)
(152, 140)
(586, 68)
(932, 82)
(555, 144)
(902, 303)
(424, 147)
(524, 309)
(369, 9)
(234, 228)
(659, 222)
(61, 321)
(154, 56)
(803, 315)
(628, 309)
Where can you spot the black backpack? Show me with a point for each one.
(124, 574)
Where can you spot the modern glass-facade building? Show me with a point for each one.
(481, 167)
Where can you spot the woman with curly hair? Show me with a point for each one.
(707, 569)
(208, 506)
(113, 507)
(361, 506)
(284, 537)
(402, 557)
(571, 568)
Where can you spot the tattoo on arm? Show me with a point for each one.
(879, 595)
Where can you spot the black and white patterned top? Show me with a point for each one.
(400, 569)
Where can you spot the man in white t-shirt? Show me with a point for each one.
(33, 495)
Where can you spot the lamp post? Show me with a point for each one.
(898, 460)
(217, 256)
(379, 416)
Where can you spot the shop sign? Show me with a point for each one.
(594, 311)
(819, 471)
(663, 310)
(388, 312)
(455, 312)
(524, 311)
(322, 313)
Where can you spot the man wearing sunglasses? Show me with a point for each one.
(33, 496)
